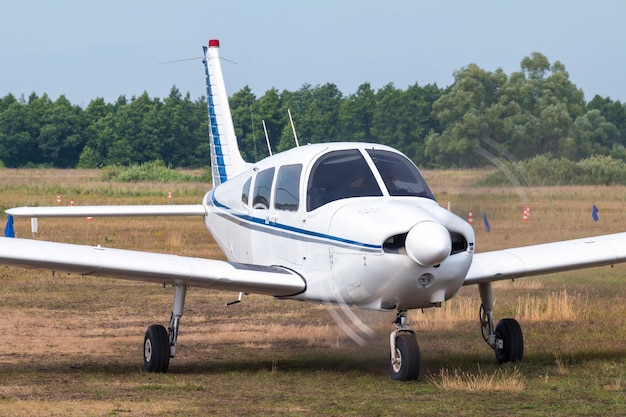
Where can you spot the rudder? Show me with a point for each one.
(226, 160)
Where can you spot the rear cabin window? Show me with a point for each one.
(399, 174)
(338, 175)
(287, 188)
(262, 189)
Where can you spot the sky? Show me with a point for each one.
(87, 49)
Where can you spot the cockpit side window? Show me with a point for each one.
(287, 188)
(245, 192)
(399, 174)
(338, 175)
(262, 189)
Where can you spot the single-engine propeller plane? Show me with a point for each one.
(342, 223)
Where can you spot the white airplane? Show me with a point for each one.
(351, 224)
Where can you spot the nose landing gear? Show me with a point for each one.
(404, 364)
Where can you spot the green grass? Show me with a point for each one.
(155, 171)
(71, 346)
(545, 170)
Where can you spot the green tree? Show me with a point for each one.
(18, 133)
(95, 116)
(242, 104)
(316, 110)
(528, 113)
(176, 124)
(465, 119)
(202, 155)
(88, 158)
(613, 111)
(548, 105)
(298, 102)
(420, 122)
(593, 135)
(61, 139)
(323, 113)
(137, 132)
(356, 115)
(267, 110)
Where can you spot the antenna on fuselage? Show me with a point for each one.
(256, 158)
(267, 138)
(293, 127)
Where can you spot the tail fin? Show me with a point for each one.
(226, 160)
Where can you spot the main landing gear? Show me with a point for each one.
(506, 339)
(159, 345)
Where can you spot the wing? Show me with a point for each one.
(547, 258)
(150, 267)
(109, 211)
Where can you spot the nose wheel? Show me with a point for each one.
(404, 364)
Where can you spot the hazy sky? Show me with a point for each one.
(87, 49)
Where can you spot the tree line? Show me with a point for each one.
(535, 111)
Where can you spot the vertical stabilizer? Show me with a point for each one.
(226, 160)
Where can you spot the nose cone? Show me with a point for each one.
(428, 243)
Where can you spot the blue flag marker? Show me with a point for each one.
(594, 213)
(487, 226)
(8, 230)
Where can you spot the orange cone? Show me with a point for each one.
(470, 218)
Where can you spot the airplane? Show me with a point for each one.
(348, 224)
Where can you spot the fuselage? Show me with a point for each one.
(356, 220)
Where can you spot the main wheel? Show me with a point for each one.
(156, 349)
(407, 366)
(510, 332)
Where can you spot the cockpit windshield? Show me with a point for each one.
(399, 174)
(340, 174)
(346, 174)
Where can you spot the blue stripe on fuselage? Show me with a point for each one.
(278, 229)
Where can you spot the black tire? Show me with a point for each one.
(510, 332)
(408, 368)
(156, 349)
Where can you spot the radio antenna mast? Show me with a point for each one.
(293, 128)
(267, 138)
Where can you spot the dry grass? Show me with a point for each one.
(528, 284)
(556, 306)
(481, 382)
(561, 367)
(459, 309)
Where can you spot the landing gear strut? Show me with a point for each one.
(159, 345)
(404, 363)
(506, 339)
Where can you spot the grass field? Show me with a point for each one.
(72, 346)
